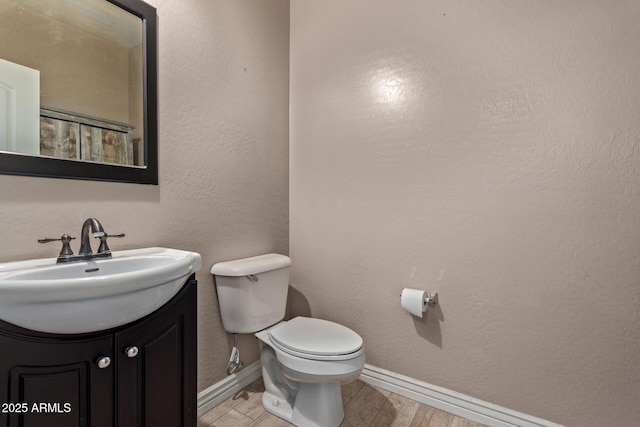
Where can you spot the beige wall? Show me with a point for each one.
(489, 151)
(223, 188)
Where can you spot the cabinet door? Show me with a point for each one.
(157, 366)
(55, 383)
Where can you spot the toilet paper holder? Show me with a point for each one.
(430, 299)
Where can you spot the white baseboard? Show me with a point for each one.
(450, 401)
(222, 390)
(441, 398)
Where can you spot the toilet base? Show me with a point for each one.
(315, 405)
(305, 404)
(277, 406)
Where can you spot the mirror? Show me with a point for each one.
(78, 89)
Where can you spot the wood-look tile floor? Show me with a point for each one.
(365, 405)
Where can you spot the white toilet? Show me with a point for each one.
(304, 360)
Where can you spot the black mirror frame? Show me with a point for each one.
(19, 164)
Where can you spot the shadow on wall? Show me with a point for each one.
(297, 304)
(428, 327)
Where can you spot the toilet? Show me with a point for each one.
(304, 360)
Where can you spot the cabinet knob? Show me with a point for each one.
(131, 351)
(103, 362)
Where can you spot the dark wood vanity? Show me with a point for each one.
(139, 374)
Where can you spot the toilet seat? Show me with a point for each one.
(316, 339)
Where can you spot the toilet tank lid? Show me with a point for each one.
(252, 265)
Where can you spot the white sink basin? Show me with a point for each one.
(93, 295)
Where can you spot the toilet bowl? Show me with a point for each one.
(304, 360)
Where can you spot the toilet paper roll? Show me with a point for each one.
(414, 301)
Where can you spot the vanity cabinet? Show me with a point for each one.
(140, 374)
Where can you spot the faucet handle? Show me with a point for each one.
(66, 247)
(114, 235)
(103, 241)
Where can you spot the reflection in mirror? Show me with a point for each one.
(89, 61)
(89, 56)
(19, 108)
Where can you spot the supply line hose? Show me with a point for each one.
(234, 361)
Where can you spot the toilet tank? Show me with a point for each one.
(252, 292)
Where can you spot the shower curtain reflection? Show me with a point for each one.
(70, 136)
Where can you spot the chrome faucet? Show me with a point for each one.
(90, 227)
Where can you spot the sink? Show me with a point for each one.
(94, 295)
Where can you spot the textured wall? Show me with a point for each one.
(223, 159)
(489, 151)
